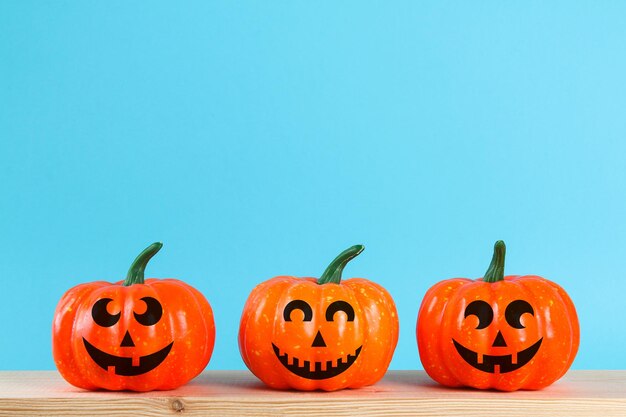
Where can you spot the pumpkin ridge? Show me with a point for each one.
(491, 332)
(529, 374)
(557, 291)
(364, 299)
(426, 315)
(191, 295)
(258, 291)
(394, 330)
(366, 333)
(574, 330)
(82, 309)
(449, 322)
(131, 294)
(78, 301)
(445, 337)
(317, 313)
(533, 375)
(289, 285)
(205, 311)
(184, 293)
(205, 325)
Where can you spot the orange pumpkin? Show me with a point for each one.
(507, 333)
(140, 335)
(327, 334)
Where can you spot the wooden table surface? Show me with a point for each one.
(239, 393)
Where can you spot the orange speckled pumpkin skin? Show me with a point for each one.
(186, 323)
(374, 330)
(443, 319)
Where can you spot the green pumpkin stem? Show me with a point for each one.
(335, 269)
(495, 272)
(136, 271)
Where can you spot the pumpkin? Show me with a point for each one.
(326, 334)
(137, 334)
(505, 333)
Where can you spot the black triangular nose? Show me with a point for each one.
(127, 341)
(499, 342)
(319, 340)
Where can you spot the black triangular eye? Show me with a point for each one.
(153, 313)
(339, 306)
(514, 311)
(298, 305)
(482, 310)
(100, 314)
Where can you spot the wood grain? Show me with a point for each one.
(238, 393)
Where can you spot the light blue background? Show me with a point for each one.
(258, 139)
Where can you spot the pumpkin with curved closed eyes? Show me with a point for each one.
(327, 334)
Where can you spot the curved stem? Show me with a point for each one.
(495, 272)
(335, 269)
(137, 268)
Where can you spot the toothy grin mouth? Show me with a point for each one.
(124, 365)
(504, 363)
(304, 370)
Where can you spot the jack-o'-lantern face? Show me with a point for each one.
(137, 334)
(503, 332)
(319, 333)
(510, 348)
(314, 357)
(130, 364)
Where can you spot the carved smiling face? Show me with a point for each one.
(130, 364)
(137, 334)
(504, 356)
(156, 335)
(297, 333)
(502, 332)
(328, 334)
(313, 357)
